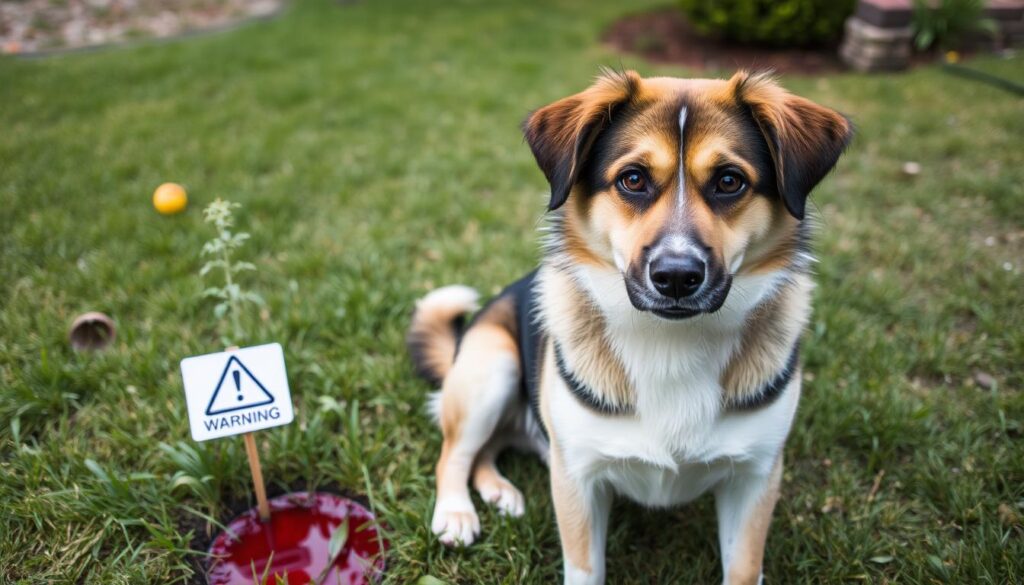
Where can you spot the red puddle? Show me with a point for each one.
(298, 535)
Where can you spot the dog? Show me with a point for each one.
(654, 354)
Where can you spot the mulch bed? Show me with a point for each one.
(32, 26)
(664, 36)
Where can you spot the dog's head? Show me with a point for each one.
(681, 184)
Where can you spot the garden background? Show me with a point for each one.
(376, 150)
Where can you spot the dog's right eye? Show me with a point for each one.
(632, 182)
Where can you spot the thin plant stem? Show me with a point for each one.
(232, 298)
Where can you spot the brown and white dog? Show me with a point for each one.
(654, 353)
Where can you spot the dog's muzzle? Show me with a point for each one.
(678, 285)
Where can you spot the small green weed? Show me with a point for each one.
(222, 251)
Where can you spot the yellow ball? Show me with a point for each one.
(170, 198)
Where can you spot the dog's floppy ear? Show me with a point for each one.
(805, 139)
(561, 134)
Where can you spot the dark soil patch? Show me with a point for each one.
(664, 36)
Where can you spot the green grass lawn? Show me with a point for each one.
(376, 150)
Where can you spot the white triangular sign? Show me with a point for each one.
(237, 389)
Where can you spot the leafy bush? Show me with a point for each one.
(948, 24)
(785, 22)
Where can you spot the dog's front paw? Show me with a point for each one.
(455, 523)
(504, 496)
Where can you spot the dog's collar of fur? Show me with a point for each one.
(590, 399)
(582, 391)
(774, 388)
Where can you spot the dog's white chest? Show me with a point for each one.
(747, 442)
(679, 443)
(675, 454)
(658, 486)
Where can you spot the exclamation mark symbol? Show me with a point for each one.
(238, 383)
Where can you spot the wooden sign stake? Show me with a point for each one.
(257, 476)
(253, 455)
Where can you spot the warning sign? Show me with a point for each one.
(235, 392)
(246, 392)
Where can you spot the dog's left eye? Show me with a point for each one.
(633, 182)
(729, 184)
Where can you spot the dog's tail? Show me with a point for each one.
(436, 326)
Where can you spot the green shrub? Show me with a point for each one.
(785, 22)
(949, 24)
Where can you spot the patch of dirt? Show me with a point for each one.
(29, 26)
(664, 36)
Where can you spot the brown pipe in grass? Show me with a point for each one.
(92, 331)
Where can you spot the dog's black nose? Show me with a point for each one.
(677, 277)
